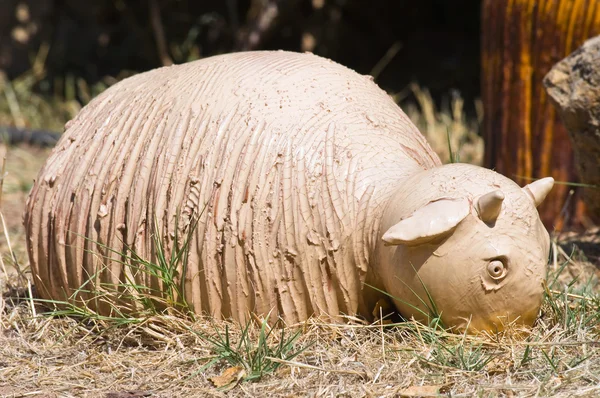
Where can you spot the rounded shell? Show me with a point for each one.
(275, 165)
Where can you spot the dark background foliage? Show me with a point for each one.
(432, 42)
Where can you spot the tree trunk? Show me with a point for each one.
(521, 41)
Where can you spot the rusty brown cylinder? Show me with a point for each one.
(525, 139)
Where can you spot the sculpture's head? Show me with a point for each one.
(469, 240)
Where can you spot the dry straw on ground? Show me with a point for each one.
(165, 356)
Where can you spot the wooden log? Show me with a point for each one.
(573, 86)
(525, 140)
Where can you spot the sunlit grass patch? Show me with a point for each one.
(255, 350)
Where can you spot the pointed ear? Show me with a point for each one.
(434, 220)
(538, 190)
(489, 205)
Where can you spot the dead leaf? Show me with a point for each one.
(421, 391)
(382, 308)
(230, 376)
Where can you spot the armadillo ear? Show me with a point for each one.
(489, 205)
(434, 220)
(538, 190)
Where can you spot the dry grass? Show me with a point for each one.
(165, 356)
(446, 125)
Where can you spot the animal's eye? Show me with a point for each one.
(496, 269)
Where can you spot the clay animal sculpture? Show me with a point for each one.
(309, 191)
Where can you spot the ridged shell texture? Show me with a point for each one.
(285, 161)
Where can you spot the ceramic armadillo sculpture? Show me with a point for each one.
(311, 190)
